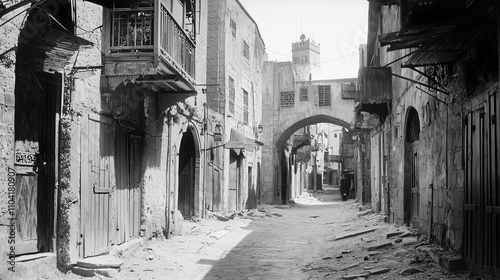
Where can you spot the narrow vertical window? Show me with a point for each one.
(231, 95)
(304, 94)
(246, 50)
(245, 106)
(324, 95)
(232, 24)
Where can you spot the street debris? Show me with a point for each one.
(379, 246)
(410, 271)
(354, 233)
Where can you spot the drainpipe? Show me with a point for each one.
(169, 177)
(205, 163)
(431, 186)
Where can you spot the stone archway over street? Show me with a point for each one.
(289, 105)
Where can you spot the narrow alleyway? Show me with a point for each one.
(320, 237)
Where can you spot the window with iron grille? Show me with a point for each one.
(245, 106)
(246, 50)
(231, 95)
(304, 94)
(232, 24)
(287, 99)
(324, 95)
(132, 29)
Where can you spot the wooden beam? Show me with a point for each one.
(420, 83)
(16, 6)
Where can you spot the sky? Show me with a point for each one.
(339, 26)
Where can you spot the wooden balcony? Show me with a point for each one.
(375, 84)
(149, 46)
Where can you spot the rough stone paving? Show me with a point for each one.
(317, 237)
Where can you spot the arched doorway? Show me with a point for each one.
(411, 168)
(301, 154)
(186, 194)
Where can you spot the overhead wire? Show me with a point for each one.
(326, 61)
(24, 11)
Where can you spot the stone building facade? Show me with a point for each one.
(102, 124)
(434, 152)
(236, 52)
(288, 105)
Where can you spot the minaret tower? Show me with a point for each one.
(305, 59)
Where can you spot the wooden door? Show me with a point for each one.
(128, 177)
(96, 153)
(36, 162)
(414, 183)
(493, 204)
(473, 194)
(186, 187)
(134, 194)
(214, 190)
(481, 196)
(233, 184)
(407, 193)
(251, 199)
(217, 190)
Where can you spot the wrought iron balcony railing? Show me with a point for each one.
(175, 43)
(133, 32)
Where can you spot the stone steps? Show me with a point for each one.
(105, 265)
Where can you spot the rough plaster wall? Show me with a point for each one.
(175, 221)
(267, 133)
(68, 228)
(9, 34)
(454, 197)
(87, 94)
(154, 157)
(85, 97)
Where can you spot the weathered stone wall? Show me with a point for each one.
(154, 164)
(440, 215)
(269, 163)
(160, 217)
(282, 121)
(81, 95)
(216, 79)
(226, 58)
(9, 32)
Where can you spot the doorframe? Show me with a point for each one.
(197, 179)
(411, 142)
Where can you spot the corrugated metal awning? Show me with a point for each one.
(375, 84)
(304, 139)
(51, 50)
(239, 142)
(439, 43)
(238, 137)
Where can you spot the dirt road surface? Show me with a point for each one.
(317, 237)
